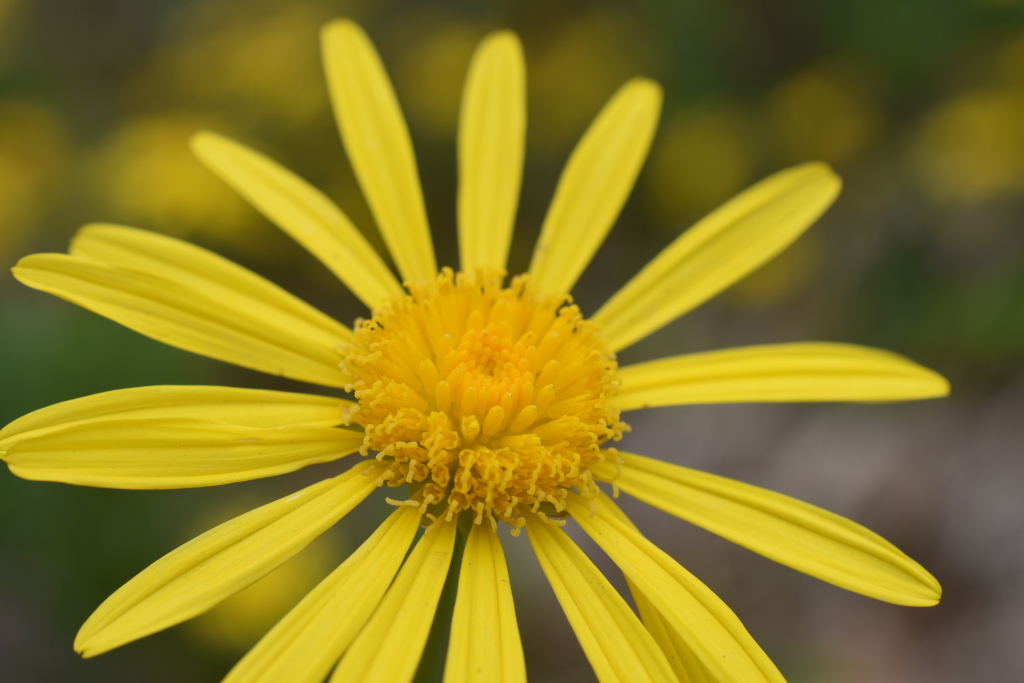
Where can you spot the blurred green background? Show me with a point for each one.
(918, 105)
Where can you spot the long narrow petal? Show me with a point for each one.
(720, 249)
(190, 580)
(777, 373)
(310, 639)
(172, 452)
(193, 299)
(484, 646)
(681, 658)
(595, 184)
(391, 644)
(615, 642)
(708, 626)
(302, 211)
(684, 662)
(492, 135)
(143, 251)
(378, 145)
(789, 531)
(243, 407)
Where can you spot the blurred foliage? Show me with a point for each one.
(918, 104)
(34, 150)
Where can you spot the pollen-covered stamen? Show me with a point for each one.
(484, 399)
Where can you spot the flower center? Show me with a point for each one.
(483, 399)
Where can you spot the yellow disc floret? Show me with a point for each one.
(484, 399)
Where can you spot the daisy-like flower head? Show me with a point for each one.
(491, 405)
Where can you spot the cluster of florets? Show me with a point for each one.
(483, 399)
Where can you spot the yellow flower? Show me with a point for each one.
(491, 403)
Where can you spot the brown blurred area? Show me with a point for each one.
(918, 105)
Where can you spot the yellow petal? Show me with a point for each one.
(172, 452)
(302, 211)
(243, 407)
(193, 299)
(708, 627)
(720, 249)
(378, 145)
(190, 580)
(681, 658)
(390, 646)
(777, 373)
(492, 133)
(789, 531)
(310, 639)
(484, 646)
(615, 642)
(595, 184)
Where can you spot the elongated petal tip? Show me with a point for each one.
(928, 592)
(342, 29)
(808, 169)
(491, 141)
(502, 39)
(799, 535)
(85, 641)
(377, 141)
(646, 91)
(345, 35)
(919, 382)
(197, 138)
(937, 384)
(208, 147)
(81, 646)
(21, 269)
(595, 184)
(818, 175)
(819, 167)
(203, 141)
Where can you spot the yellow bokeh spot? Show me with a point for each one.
(240, 620)
(7, 10)
(822, 114)
(265, 63)
(1009, 62)
(971, 148)
(236, 623)
(572, 76)
(704, 155)
(34, 149)
(150, 178)
(782, 277)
